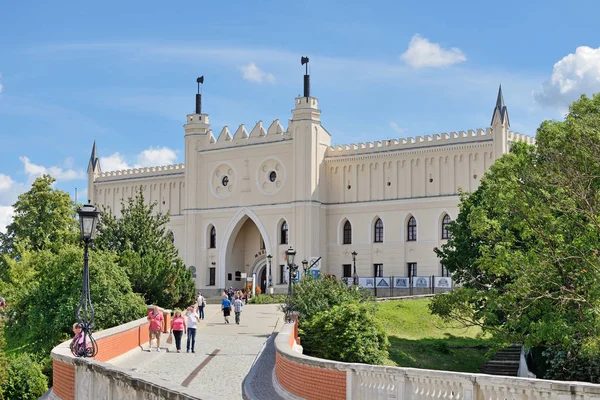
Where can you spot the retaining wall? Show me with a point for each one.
(91, 379)
(301, 376)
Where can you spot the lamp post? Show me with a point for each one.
(305, 267)
(290, 254)
(354, 254)
(270, 283)
(86, 346)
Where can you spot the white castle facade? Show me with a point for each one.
(240, 197)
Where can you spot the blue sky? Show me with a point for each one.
(123, 73)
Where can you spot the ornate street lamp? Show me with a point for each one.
(354, 254)
(290, 254)
(305, 267)
(86, 345)
(270, 283)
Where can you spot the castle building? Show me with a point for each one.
(240, 197)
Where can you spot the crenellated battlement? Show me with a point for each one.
(258, 134)
(518, 137)
(141, 172)
(441, 139)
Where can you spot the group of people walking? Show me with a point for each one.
(233, 298)
(180, 325)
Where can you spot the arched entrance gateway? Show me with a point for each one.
(245, 252)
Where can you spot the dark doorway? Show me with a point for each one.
(263, 280)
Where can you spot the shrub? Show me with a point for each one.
(349, 332)
(314, 295)
(25, 379)
(249, 289)
(268, 299)
(571, 366)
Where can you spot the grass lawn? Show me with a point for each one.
(421, 340)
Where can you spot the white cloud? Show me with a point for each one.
(397, 128)
(114, 162)
(58, 173)
(422, 53)
(6, 213)
(1, 87)
(574, 75)
(82, 196)
(147, 158)
(252, 73)
(157, 156)
(6, 182)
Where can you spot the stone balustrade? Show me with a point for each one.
(298, 375)
(95, 379)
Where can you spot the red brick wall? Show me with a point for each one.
(310, 383)
(63, 381)
(63, 375)
(307, 381)
(113, 346)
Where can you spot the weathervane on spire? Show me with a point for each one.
(200, 80)
(304, 60)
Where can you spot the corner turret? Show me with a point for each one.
(93, 171)
(500, 125)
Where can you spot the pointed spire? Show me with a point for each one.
(93, 159)
(500, 108)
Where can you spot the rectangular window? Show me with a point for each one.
(445, 271)
(238, 276)
(412, 269)
(282, 274)
(347, 271)
(378, 270)
(211, 276)
(229, 276)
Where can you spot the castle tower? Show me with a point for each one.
(197, 136)
(93, 171)
(500, 126)
(310, 143)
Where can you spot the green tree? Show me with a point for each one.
(25, 379)
(43, 313)
(44, 218)
(146, 251)
(349, 332)
(525, 245)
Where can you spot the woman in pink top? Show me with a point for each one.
(178, 328)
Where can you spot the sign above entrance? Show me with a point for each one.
(244, 275)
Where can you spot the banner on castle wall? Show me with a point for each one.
(382, 283)
(366, 282)
(402, 283)
(421, 282)
(443, 282)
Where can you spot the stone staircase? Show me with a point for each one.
(505, 362)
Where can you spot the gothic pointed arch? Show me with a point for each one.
(284, 229)
(377, 230)
(411, 229)
(445, 234)
(346, 231)
(212, 236)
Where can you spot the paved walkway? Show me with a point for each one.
(224, 353)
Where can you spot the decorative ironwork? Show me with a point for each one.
(83, 344)
(292, 274)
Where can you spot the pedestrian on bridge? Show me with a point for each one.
(178, 328)
(156, 326)
(201, 305)
(226, 308)
(237, 308)
(192, 320)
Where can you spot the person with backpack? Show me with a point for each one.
(201, 305)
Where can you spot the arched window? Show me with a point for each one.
(412, 229)
(445, 222)
(378, 231)
(284, 233)
(213, 238)
(347, 232)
